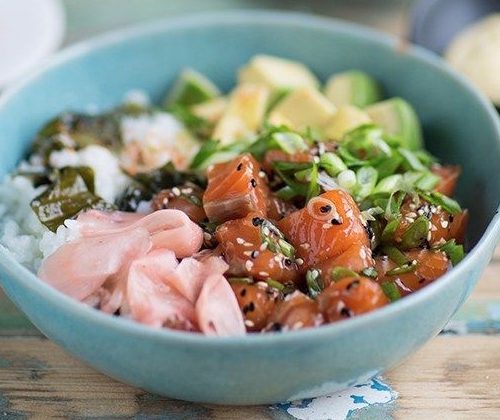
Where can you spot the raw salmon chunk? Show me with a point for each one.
(235, 189)
(329, 225)
(247, 246)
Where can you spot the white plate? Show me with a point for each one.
(29, 31)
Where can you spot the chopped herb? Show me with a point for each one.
(332, 164)
(275, 284)
(403, 269)
(389, 231)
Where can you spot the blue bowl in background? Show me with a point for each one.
(460, 127)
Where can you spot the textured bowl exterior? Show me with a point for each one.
(461, 127)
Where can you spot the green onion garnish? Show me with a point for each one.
(339, 273)
(391, 290)
(314, 282)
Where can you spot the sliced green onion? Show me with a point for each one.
(403, 269)
(347, 179)
(395, 255)
(411, 160)
(332, 164)
(427, 182)
(290, 142)
(370, 272)
(339, 273)
(454, 252)
(244, 280)
(446, 203)
(389, 184)
(389, 230)
(314, 189)
(366, 181)
(314, 282)
(416, 233)
(275, 284)
(391, 290)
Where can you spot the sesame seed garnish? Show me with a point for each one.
(249, 323)
(248, 244)
(429, 236)
(299, 261)
(411, 214)
(414, 262)
(263, 273)
(325, 209)
(248, 265)
(298, 325)
(444, 224)
(253, 182)
(336, 221)
(247, 253)
(266, 231)
(256, 221)
(326, 226)
(176, 191)
(263, 247)
(238, 168)
(409, 219)
(305, 245)
(207, 236)
(262, 285)
(262, 174)
(240, 241)
(254, 254)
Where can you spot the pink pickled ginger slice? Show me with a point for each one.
(217, 309)
(81, 267)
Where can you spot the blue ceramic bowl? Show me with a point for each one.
(460, 127)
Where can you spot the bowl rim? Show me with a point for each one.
(17, 272)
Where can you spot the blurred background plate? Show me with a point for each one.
(434, 23)
(29, 31)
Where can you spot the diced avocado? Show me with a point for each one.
(190, 88)
(302, 108)
(353, 88)
(211, 110)
(346, 118)
(277, 73)
(244, 114)
(398, 118)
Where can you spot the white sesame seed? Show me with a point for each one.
(249, 323)
(176, 191)
(444, 224)
(299, 261)
(298, 325)
(429, 235)
(247, 253)
(326, 226)
(433, 228)
(248, 265)
(240, 241)
(263, 273)
(207, 236)
(247, 244)
(411, 214)
(414, 262)
(262, 174)
(265, 230)
(263, 247)
(409, 219)
(305, 245)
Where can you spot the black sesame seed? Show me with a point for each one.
(352, 284)
(257, 221)
(275, 326)
(345, 312)
(288, 262)
(253, 182)
(248, 308)
(325, 209)
(254, 254)
(243, 292)
(238, 168)
(338, 221)
(421, 281)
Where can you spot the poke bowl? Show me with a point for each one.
(237, 362)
